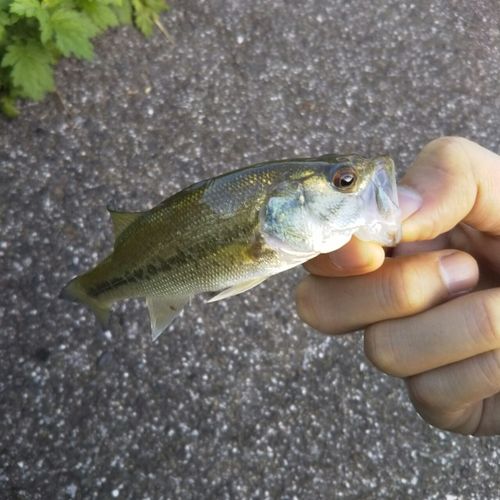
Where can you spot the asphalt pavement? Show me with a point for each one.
(239, 399)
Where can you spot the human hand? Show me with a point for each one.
(431, 312)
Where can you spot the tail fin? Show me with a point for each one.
(75, 292)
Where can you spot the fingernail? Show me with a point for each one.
(457, 272)
(409, 201)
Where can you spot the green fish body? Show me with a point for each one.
(233, 231)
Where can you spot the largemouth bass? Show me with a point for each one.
(233, 231)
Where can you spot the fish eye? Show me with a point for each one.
(345, 178)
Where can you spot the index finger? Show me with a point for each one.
(356, 257)
(458, 181)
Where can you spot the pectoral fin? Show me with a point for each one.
(239, 288)
(162, 311)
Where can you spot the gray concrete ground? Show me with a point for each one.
(240, 400)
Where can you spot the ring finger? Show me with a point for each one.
(462, 397)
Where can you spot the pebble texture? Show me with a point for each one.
(240, 400)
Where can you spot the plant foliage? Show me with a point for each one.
(35, 34)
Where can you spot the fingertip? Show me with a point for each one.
(303, 295)
(459, 272)
(356, 257)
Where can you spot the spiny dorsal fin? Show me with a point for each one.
(121, 220)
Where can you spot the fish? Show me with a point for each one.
(229, 233)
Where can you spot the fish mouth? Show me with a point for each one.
(381, 206)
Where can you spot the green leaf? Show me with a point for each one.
(156, 6)
(4, 5)
(7, 107)
(143, 17)
(46, 29)
(33, 8)
(146, 14)
(4, 21)
(101, 15)
(28, 8)
(55, 4)
(53, 51)
(124, 12)
(144, 22)
(31, 69)
(34, 34)
(73, 31)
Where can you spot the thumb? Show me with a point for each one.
(453, 180)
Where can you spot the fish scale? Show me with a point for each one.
(233, 231)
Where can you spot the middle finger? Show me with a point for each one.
(459, 329)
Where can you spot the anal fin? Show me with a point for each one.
(162, 311)
(239, 288)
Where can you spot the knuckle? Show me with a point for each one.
(446, 141)
(381, 350)
(449, 149)
(429, 401)
(311, 307)
(422, 396)
(490, 368)
(483, 320)
(402, 291)
(305, 305)
(452, 166)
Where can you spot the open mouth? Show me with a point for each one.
(383, 216)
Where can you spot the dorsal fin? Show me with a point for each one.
(121, 220)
